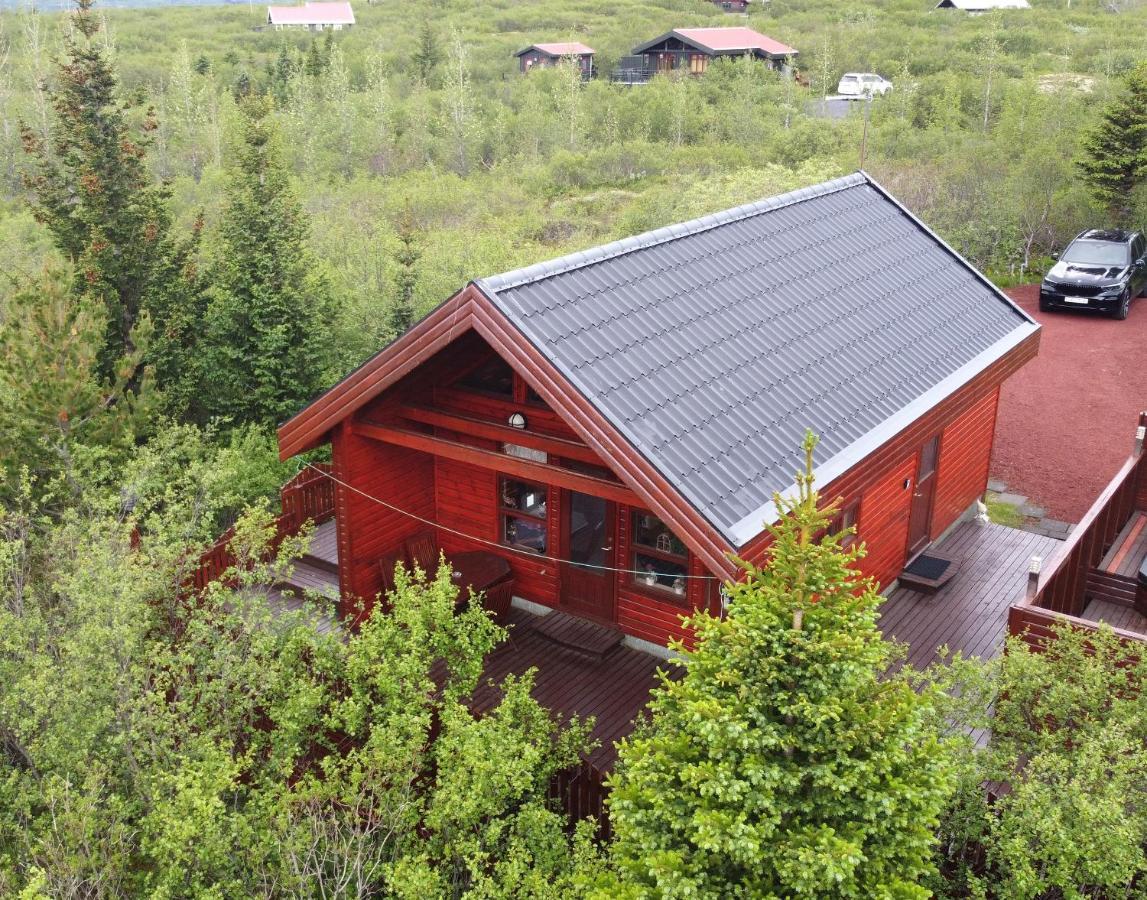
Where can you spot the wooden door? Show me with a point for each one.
(924, 491)
(588, 582)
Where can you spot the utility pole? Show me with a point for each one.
(864, 133)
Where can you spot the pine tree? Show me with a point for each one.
(266, 351)
(783, 763)
(1115, 152)
(92, 190)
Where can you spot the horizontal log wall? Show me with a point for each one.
(883, 522)
(368, 530)
(965, 457)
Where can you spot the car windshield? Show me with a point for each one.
(1096, 253)
(849, 79)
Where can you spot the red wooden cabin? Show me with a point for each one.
(615, 423)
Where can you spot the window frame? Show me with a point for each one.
(504, 512)
(848, 516)
(658, 591)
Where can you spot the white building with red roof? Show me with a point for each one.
(313, 16)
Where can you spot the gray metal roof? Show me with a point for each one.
(713, 345)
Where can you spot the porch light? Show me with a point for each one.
(517, 420)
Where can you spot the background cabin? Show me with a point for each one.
(976, 7)
(692, 49)
(312, 16)
(732, 6)
(548, 55)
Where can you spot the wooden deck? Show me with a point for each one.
(970, 613)
(324, 544)
(1116, 615)
(613, 688)
(1129, 549)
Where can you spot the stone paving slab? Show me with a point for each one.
(996, 486)
(1012, 499)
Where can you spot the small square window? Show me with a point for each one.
(659, 560)
(522, 511)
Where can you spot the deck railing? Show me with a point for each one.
(309, 495)
(1057, 588)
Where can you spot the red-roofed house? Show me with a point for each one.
(315, 16)
(691, 49)
(542, 56)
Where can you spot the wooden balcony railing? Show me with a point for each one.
(1057, 587)
(309, 495)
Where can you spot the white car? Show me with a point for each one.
(862, 84)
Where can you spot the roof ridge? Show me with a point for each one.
(529, 274)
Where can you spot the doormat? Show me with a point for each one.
(930, 567)
(929, 572)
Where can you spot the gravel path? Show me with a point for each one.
(1067, 419)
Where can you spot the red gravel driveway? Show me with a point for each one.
(1067, 419)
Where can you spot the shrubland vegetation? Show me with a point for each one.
(203, 224)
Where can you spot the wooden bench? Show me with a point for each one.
(1115, 579)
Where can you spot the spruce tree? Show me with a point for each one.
(402, 314)
(267, 348)
(428, 55)
(783, 763)
(1115, 151)
(92, 190)
(51, 397)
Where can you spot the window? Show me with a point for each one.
(698, 62)
(493, 377)
(522, 514)
(848, 517)
(659, 560)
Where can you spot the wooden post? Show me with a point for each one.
(1034, 567)
(1140, 433)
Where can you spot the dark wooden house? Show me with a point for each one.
(615, 423)
(737, 6)
(543, 56)
(691, 49)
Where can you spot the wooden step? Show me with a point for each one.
(578, 634)
(317, 562)
(307, 577)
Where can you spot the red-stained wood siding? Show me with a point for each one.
(641, 613)
(965, 455)
(883, 522)
(367, 530)
(467, 500)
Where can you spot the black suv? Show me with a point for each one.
(1099, 270)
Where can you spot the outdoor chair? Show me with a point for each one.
(386, 568)
(422, 552)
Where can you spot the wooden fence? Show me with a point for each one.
(309, 495)
(1057, 593)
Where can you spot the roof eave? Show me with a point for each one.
(754, 523)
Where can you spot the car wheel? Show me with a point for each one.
(1124, 305)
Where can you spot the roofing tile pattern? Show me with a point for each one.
(712, 346)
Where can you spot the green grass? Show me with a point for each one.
(1003, 513)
